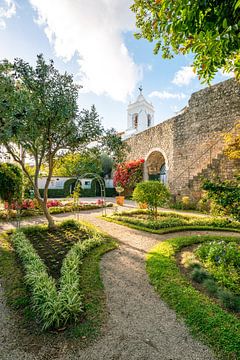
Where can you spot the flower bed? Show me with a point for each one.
(55, 301)
(170, 222)
(207, 320)
(30, 210)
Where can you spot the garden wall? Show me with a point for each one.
(191, 140)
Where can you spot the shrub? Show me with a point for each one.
(229, 300)
(199, 275)
(222, 260)
(153, 193)
(226, 194)
(128, 174)
(11, 182)
(211, 286)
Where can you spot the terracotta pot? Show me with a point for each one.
(120, 200)
(142, 205)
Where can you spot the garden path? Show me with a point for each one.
(140, 325)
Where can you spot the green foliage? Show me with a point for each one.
(76, 194)
(153, 193)
(91, 287)
(76, 164)
(170, 221)
(11, 182)
(229, 300)
(226, 194)
(209, 29)
(199, 275)
(54, 308)
(211, 286)
(40, 114)
(207, 320)
(222, 260)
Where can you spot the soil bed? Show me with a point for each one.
(53, 245)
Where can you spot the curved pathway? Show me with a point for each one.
(140, 325)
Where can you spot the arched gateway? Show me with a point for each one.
(156, 166)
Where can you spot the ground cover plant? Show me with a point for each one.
(206, 319)
(51, 270)
(171, 221)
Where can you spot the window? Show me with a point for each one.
(149, 120)
(135, 121)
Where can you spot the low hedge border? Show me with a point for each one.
(53, 210)
(53, 307)
(168, 230)
(216, 327)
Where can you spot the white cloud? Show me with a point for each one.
(7, 10)
(165, 95)
(184, 76)
(226, 74)
(93, 30)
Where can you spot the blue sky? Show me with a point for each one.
(93, 40)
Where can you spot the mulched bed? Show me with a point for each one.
(53, 245)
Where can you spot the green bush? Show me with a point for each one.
(226, 194)
(54, 308)
(229, 300)
(222, 260)
(211, 286)
(199, 275)
(153, 193)
(11, 182)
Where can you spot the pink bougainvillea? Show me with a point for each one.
(128, 174)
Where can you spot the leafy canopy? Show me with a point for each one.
(11, 182)
(208, 28)
(153, 193)
(39, 118)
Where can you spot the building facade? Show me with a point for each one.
(190, 146)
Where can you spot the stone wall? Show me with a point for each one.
(191, 140)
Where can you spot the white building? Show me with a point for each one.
(140, 116)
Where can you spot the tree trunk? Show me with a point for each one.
(43, 204)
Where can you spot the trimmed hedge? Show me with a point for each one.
(207, 320)
(53, 307)
(171, 222)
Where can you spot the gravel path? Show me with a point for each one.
(140, 325)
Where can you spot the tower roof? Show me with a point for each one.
(140, 99)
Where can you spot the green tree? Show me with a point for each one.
(39, 115)
(76, 164)
(11, 183)
(208, 28)
(153, 193)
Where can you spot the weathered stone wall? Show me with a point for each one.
(192, 139)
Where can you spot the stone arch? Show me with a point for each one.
(156, 165)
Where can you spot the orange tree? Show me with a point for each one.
(128, 174)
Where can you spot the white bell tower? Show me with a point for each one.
(140, 115)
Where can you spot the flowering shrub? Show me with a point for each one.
(52, 203)
(26, 204)
(128, 174)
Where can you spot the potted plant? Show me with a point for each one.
(119, 198)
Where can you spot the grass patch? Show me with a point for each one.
(207, 320)
(91, 288)
(171, 222)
